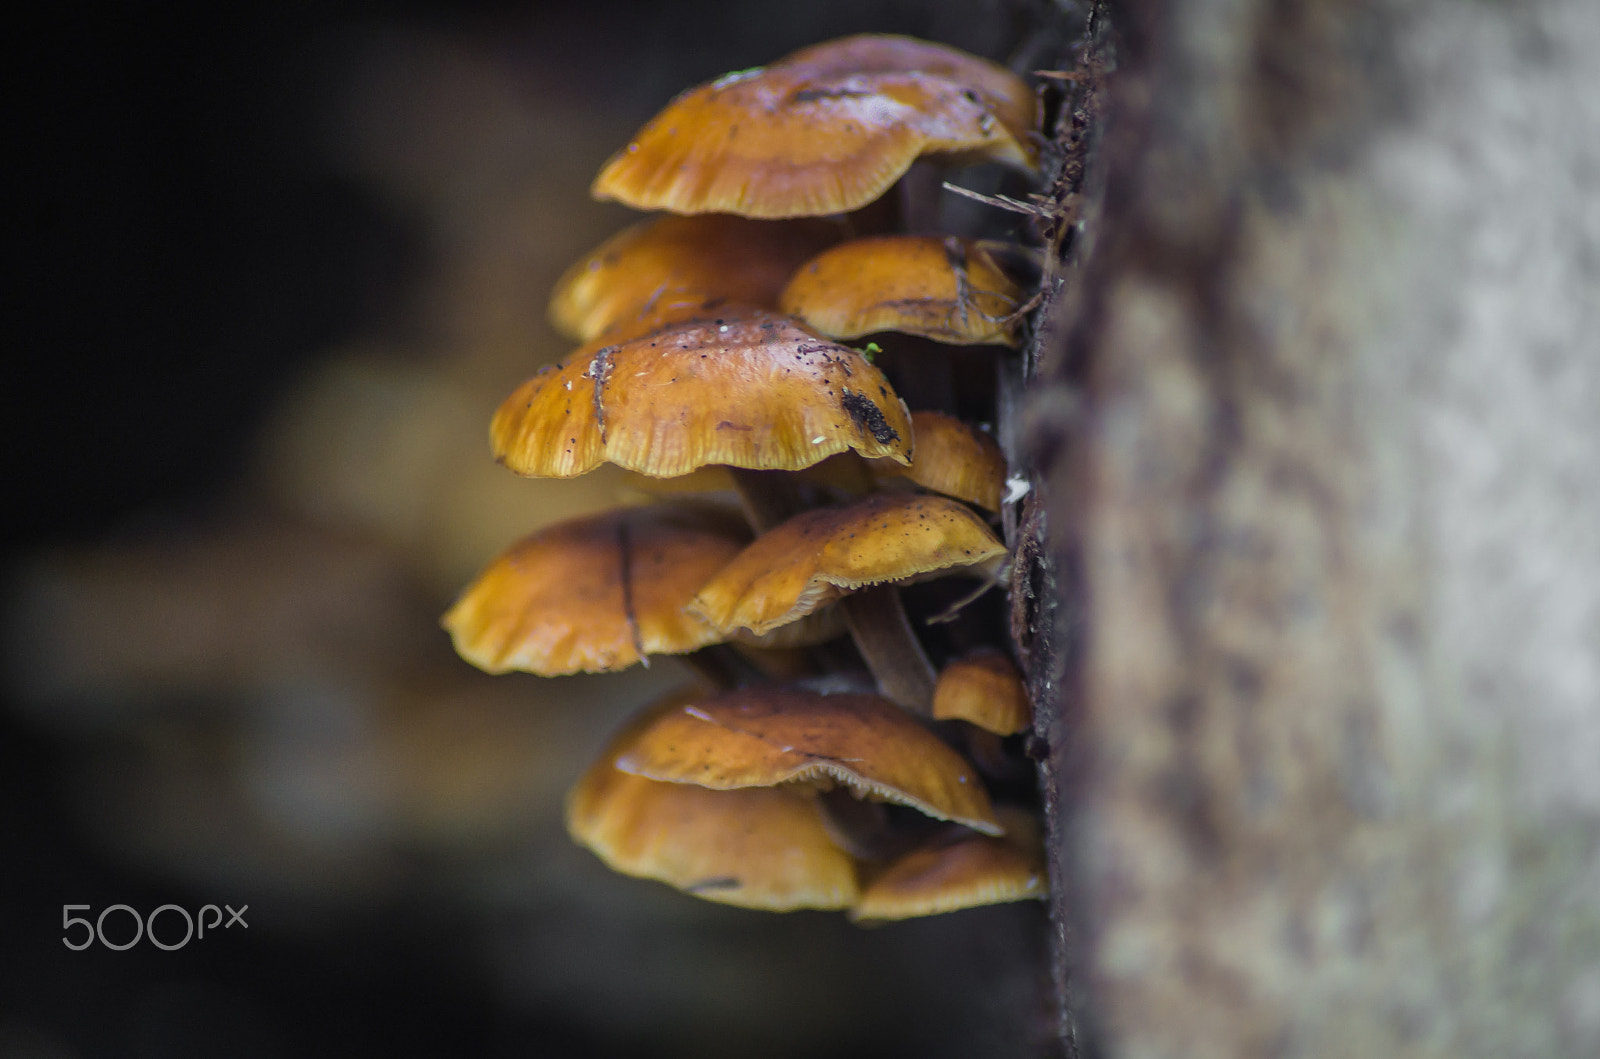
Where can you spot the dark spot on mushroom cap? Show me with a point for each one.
(868, 417)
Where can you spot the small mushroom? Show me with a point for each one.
(856, 552)
(596, 594)
(952, 458)
(824, 131)
(685, 260)
(763, 848)
(746, 388)
(765, 736)
(963, 870)
(821, 555)
(946, 289)
(984, 689)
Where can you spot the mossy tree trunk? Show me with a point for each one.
(1315, 566)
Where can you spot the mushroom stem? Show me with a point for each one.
(862, 828)
(919, 192)
(878, 217)
(721, 667)
(883, 634)
(768, 497)
(924, 374)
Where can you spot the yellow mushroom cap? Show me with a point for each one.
(763, 848)
(943, 288)
(597, 593)
(963, 871)
(952, 458)
(809, 135)
(683, 259)
(765, 736)
(984, 689)
(746, 388)
(820, 555)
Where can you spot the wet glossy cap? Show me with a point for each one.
(1013, 101)
(682, 260)
(596, 594)
(943, 288)
(764, 736)
(984, 689)
(824, 131)
(820, 555)
(746, 388)
(962, 871)
(953, 458)
(763, 848)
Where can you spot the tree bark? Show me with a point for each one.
(1311, 590)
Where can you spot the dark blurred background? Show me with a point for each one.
(278, 263)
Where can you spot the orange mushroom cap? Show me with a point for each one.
(811, 135)
(984, 689)
(820, 555)
(747, 388)
(963, 871)
(756, 848)
(597, 593)
(952, 458)
(684, 259)
(946, 289)
(765, 736)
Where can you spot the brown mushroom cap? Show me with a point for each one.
(809, 136)
(943, 288)
(764, 736)
(595, 594)
(756, 848)
(970, 871)
(708, 256)
(984, 689)
(820, 555)
(952, 458)
(747, 388)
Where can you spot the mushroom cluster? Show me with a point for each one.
(808, 770)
